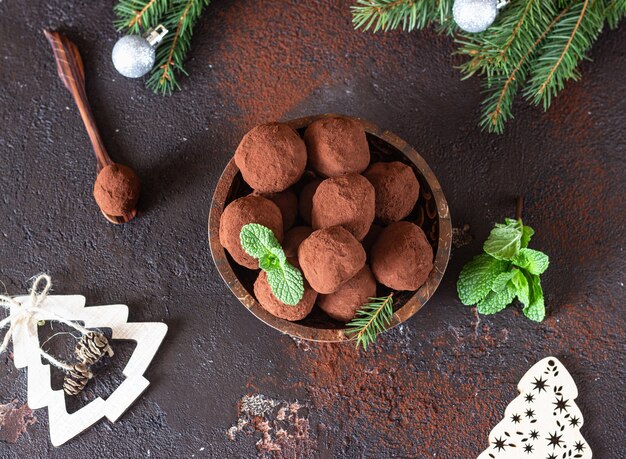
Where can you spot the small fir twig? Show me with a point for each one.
(179, 17)
(372, 319)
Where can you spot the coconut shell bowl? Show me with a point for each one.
(430, 213)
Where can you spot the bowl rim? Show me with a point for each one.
(413, 304)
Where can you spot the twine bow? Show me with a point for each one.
(23, 314)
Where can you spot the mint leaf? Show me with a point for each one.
(257, 240)
(496, 301)
(527, 233)
(536, 309)
(501, 281)
(520, 283)
(504, 241)
(286, 283)
(534, 261)
(508, 269)
(477, 278)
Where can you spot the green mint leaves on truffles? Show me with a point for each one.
(286, 281)
(507, 270)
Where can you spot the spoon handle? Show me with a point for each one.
(72, 74)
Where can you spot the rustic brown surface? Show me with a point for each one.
(433, 386)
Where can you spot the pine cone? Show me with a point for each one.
(92, 347)
(76, 379)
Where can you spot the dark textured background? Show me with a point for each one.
(433, 387)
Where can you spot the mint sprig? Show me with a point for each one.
(285, 280)
(507, 270)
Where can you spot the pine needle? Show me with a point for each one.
(373, 318)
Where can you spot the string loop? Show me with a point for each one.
(23, 314)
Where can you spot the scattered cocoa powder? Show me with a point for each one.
(116, 190)
(14, 420)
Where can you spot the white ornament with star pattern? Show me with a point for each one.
(543, 422)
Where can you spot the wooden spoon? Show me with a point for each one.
(72, 74)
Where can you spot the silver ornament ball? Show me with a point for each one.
(133, 56)
(474, 15)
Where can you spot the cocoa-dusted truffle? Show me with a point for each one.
(271, 157)
(345, 302)
(240, 212)
(305, 202)
(337, 146)
(330, 257)
(397, 190)
(401, 257)
(287, 202)
(116, 190)
(273, 305)
(347, 201)
(292, 240)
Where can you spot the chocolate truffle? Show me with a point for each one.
(287, 202)
(240, 212)
(273, 305)
(401, 257)
(337, 146)
(305, 202)
(330, 257)
(292, 240)
(271, 157)
(397, 190)
(344, 303)
(116, 190)
(348, 201)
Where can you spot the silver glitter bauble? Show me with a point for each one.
(474, 15)
(134, 56)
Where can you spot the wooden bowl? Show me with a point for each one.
(430, 213)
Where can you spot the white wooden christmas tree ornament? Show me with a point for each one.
(27, 311)
(543, 422)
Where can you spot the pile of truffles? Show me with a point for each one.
(349, 235)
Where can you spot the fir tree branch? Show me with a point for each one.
(371, 319)
(496, 117)
(137, 14)
(179, 17)
(408, 15)
(564, 48)
(517, 28)
(615, 12)
(534, 45)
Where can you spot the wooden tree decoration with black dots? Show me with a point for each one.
(543, 422)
